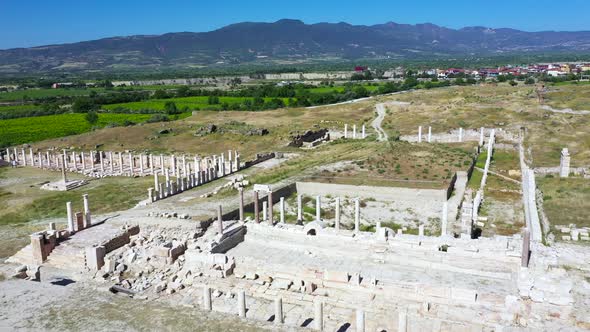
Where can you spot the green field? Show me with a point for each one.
(340, 88)
(192, 103)
(27, 130)
(44, 93)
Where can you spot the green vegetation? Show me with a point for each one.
(26, 130)
(194, 103)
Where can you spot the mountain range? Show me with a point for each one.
(286, 41)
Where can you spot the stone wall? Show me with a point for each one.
(383, 193)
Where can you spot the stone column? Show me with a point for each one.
(219, 220)
(141, 163)
(32, 157)
(237, 161)
(526, 244)
(197, 170)
(241, 190)
(65, 158)
(364, 134)
(111, 163)
(337, 221)
(282, 210)
(173, 160)
(264, 211)
(318, 208)
(184, 169)
(167, 175)
(421, 230)
(130, 164)
(402, 321)
(357, 215)
(270, 209)
(429, 134)
(256, 208)
(299, 209)
(87, 211)
(279, 317)
(207, 304)
(24, 157)
(460, 134)
(345, 130)
(360, 320)
(151, 195)
(242, 303)
(121, 162)
(152, 169)
(353, 131)
(101, 162)
(564, 163)
(48, 159)
(318, 317)
(63, 170)
(419, 134)
(71, 227)
(40, 157)
(481, 136)
(156, 181)
(445, 213)
(161, 191)
(162, 163)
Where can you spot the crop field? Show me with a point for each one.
(190, 103)
(26, 130)
(44, 93)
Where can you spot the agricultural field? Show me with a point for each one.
(34, 129)
(44, 93)
(188, 103)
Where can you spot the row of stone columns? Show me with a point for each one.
(318, 312)
(115, 162)
(187, 177)
(362, 134)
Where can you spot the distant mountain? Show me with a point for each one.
(288, 41)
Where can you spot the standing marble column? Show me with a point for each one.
(460, 134)
(345, 130)
(270, 209)
(282, 210)
(112, 163)
(242, 303)
(419, 134)
(168, 187)
(24, 157)
(141, 164)
(152, 163)
(121, 162)
(32, 157)
(299, 208)
(337, 222)
(184, 170)
(256, 208)
(156, 181)
(264, 210)
(207, 304)
(219, 220)
(173, 160)
(318, 208)
(354, 131)
(63, 170)
(162, 163)
(357, 215)
(87, 211)
(71, 228)
(429, 134)
(101, 162)
(360, 321)
(83, 159)
(364, 134)
(318, 317)
(131, 164)
(75, 160)
(279, 317)
(241, 190)
(481, 136)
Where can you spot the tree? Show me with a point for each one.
(213, 100)
(83, 105)
(529, 81)
(91, 117)
(170, 107)
(512, 83)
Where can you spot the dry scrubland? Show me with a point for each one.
(502, 107)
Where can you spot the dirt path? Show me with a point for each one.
(381, 111)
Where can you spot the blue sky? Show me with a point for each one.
(26, 23)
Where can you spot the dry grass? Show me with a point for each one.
(566, 200)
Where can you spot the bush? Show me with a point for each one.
(91, 117)
(158, 118)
